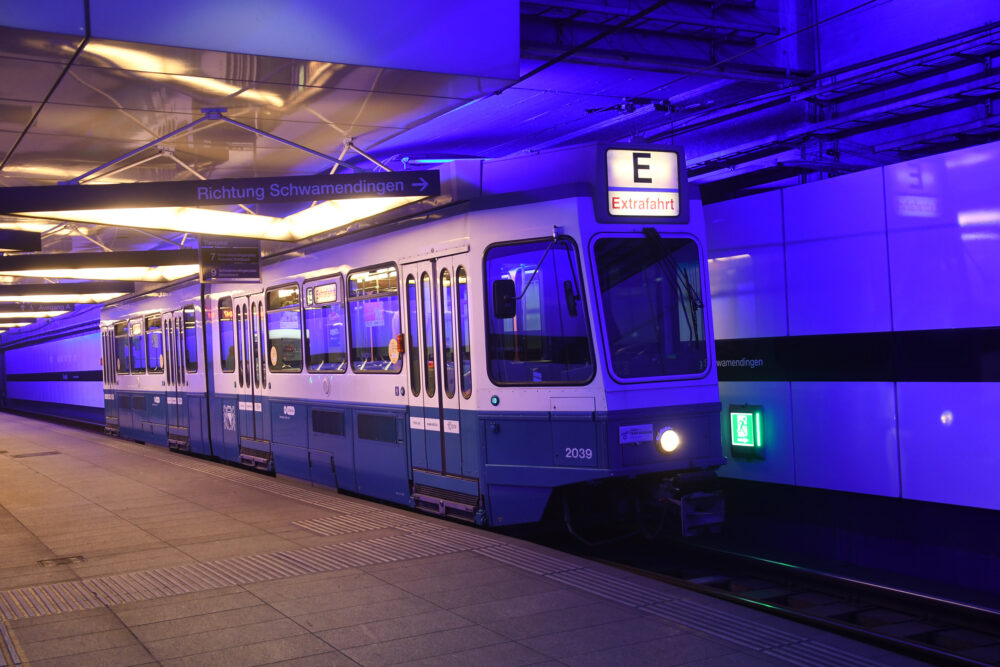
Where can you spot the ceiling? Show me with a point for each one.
(761, 93)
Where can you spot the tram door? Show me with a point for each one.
(250, 375)
(432, 368)
(178, 434)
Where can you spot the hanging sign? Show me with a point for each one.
(221, 192)
(229, 259)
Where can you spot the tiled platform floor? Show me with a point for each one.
(187, 562)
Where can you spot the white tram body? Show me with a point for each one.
(467, 362)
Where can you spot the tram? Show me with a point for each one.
(545, 341)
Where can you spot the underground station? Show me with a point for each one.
(575, 332)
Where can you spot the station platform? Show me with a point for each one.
(117, 553)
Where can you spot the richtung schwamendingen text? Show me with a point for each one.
(287, 190)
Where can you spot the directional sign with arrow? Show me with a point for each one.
(222, 191)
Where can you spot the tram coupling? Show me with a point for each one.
(697, 500)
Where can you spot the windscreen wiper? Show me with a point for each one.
(684, 290)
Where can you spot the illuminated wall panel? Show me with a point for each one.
(838, 278)
(929, 231)
(79, 353)
(747, 267)
(944, 239)
(88, 394)
(845, 434)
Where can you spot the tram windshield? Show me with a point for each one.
(546, 338)
(652, 305)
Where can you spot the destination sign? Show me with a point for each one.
(643, 182)
(222, 192)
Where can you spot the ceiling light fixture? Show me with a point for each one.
(295, 227)
(96, 291)
(30, 315)
(143, 266)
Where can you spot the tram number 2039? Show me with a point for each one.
(584, 453)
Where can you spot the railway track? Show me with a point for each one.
(917, 625)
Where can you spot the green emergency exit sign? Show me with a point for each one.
(745, 429)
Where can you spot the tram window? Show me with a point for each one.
(326, 335)
(227, 337)
(414, 337)
(154, 343)
(263, 348)
(652, 305)
(427, 317)
(464, 351)
(373, 297)
(190, 341)
(447, 335)
(121, 348)
(255, 335)
(547, 340)
(138, 346)
(284, 329)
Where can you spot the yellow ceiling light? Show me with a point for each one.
(178, 219)
(141, 265)
(96, 291)
(96, 297)
(339, 212)
(42, 227)
(134, 59)
(297, 226)
(151, 66)
(156, 274)
(33, 314)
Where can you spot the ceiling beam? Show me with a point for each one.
(653, 63)
(660, 15)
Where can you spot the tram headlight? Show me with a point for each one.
(668, 439)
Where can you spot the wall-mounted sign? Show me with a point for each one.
(746, 431)
(221, 191)
(229, 259)
(643, 183)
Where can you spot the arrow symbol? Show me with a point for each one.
(422, 184)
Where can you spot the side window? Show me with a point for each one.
(190, 341)
(447, 335)
(227, 337)
(413, 326)
(138, 346)
(105, 375)
(284, 329)
(546, 338)
(154, 343)
(373, 304)
(464, 346)
(427, 316)
(121, 348)
(326, 331)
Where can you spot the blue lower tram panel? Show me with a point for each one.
(509, 462)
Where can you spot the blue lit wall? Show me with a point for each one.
(54, 367)
(871, 301)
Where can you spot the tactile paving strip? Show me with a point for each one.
(358, 516)
(118, 589)
(526, 559)
(609, 586)
(722, 624)
(9, 656)
(348, 523)
(819, 655)
(760, 637)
